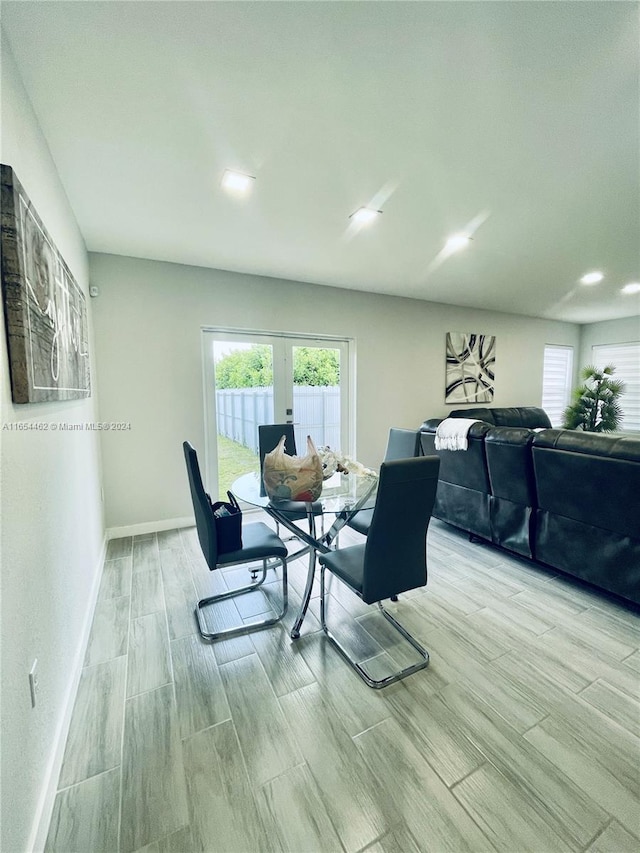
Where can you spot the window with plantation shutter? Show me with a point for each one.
(556, 381)
(626, 360)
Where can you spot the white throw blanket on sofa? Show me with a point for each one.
(452, 433)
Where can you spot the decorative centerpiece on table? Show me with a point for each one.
(334, 461)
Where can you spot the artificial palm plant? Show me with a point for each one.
(595, 406)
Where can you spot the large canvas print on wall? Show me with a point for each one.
(470, 368)
(45, 310)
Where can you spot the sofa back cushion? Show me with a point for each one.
(510, 464)
(463, 467)
(589, 477)
(462, 498)
(479, 414)
(530, 417)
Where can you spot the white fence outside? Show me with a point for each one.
(316, 413)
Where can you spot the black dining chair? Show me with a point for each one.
(401, 444)
(268, 437)
(393, 559)
(259, 542)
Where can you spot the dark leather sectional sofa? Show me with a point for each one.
(565, 498)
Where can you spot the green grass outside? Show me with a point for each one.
(233, 461)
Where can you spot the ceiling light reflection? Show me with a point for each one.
(592, 278)
(365, 215)
(633, 287)
(237, 182)
(457, 242)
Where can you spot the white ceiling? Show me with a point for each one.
(520, 118)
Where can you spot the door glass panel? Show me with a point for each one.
(256, 378)
(243, 399)
(316, 396)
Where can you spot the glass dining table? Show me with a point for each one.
(343, 495)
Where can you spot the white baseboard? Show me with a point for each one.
(149, 527)
(44, 810)
(165, 524)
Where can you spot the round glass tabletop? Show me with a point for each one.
(340, 492)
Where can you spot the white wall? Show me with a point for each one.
(608, 332)
(52, 525)
(148, 321)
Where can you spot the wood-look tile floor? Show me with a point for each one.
(523, 734)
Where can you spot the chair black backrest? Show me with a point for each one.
(402, 444)
(395, 552)
(205, 522)
(268, 437)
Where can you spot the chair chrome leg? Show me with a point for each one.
(306, 595)
(390, 679)
(210, 636)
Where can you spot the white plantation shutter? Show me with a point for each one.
(626, 360)
(556, 381)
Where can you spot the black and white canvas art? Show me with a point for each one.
(45, 309)
(470, 368)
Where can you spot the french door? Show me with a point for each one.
(254, 378)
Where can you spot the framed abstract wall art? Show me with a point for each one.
(45, 309)
(470, 368)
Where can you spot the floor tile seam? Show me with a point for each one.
(595, 681)
(252, 788)
(584, 741)
(185, 738)
(379, 838)
(471, 817)
(149, 613)
(484, 764)
(634, 652)
(150, 690)
(168, 633)
(635, 697)
(371, 728)
(598, 834)
(327, 805)
(266, 675)
(614, 606)
(413, 731)
(635, 833)
(260, 785)
(130, 554)
(625, 729)
(146, 568)
(64, 788)
(193, 633)
(327, 809)
(124, 717)
(613, 657)
(512, 735)
(179, 547)
(529, 792)
(535, 725)
(101, 662)
(626, 618)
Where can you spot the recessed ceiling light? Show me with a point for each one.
(365, 215)
(634, 287)
(457, 242)
(592, 278)
(237, 182)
